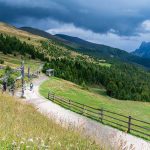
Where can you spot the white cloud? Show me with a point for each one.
(110, 38)
(146, 25)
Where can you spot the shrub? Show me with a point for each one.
(1, 61)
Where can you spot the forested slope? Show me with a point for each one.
(122, 81)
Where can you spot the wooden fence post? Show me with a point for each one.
(83, 109)
(53, 97)
(48, 95)
(129, 124)
(69, 104)
(101, 114)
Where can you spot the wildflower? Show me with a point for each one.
(30, 140)
(27, 146)
(14, 143)
(59, 144)
(37, 138)
(21, 142)
(42, 141)
(3, 139)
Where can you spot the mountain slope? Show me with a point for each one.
(79, 68)
(102, 51)
(38, 32)
(92, 49)
(143, 50)
(48, 48)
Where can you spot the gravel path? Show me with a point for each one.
(101, 134)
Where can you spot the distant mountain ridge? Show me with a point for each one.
(102, 51)
(95, 50)
(143, 50)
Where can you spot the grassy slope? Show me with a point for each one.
(54, 47)
(14, 62)
(69, 90)
(34, 39)
(22, 126)
(98, 99)
(22, 35)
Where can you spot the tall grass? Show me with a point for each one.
(22, 127)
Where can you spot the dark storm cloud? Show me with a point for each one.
(124, 16)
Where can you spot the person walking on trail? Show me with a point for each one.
(4, 87)
(12, 88)
(31, 86)
(25, 85)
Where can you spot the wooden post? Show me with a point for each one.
(48, 95)
(69, 104)
(53, 97)
(129, 124)
(22, 79)
(83, 109)
(28, 72)
(101, 114)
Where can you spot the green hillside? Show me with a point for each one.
(40, 45)
(96, 97)
(121, 80)
(95, 50)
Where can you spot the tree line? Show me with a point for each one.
(122, 81)
(12, 45)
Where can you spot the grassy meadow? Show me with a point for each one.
(22, 127)
(97, 98)
(15, 61)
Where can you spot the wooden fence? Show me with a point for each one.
(125, 123)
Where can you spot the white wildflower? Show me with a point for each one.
(42, 142)
(59, 144)
(3, 139)
(21, 142)
(50, 138)
(14, 143)
(30, 140)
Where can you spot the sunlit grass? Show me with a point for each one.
(23, 127)
(97, 98)
(15, 62)
(72, 91)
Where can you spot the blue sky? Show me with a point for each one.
(119, 23)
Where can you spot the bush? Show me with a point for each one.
(15, 54)
(1, 61)
(84, 86)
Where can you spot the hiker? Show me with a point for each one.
(4, 86)
(25, 85)
(31, 86)
(12, 88)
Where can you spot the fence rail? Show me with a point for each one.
(125, 123)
